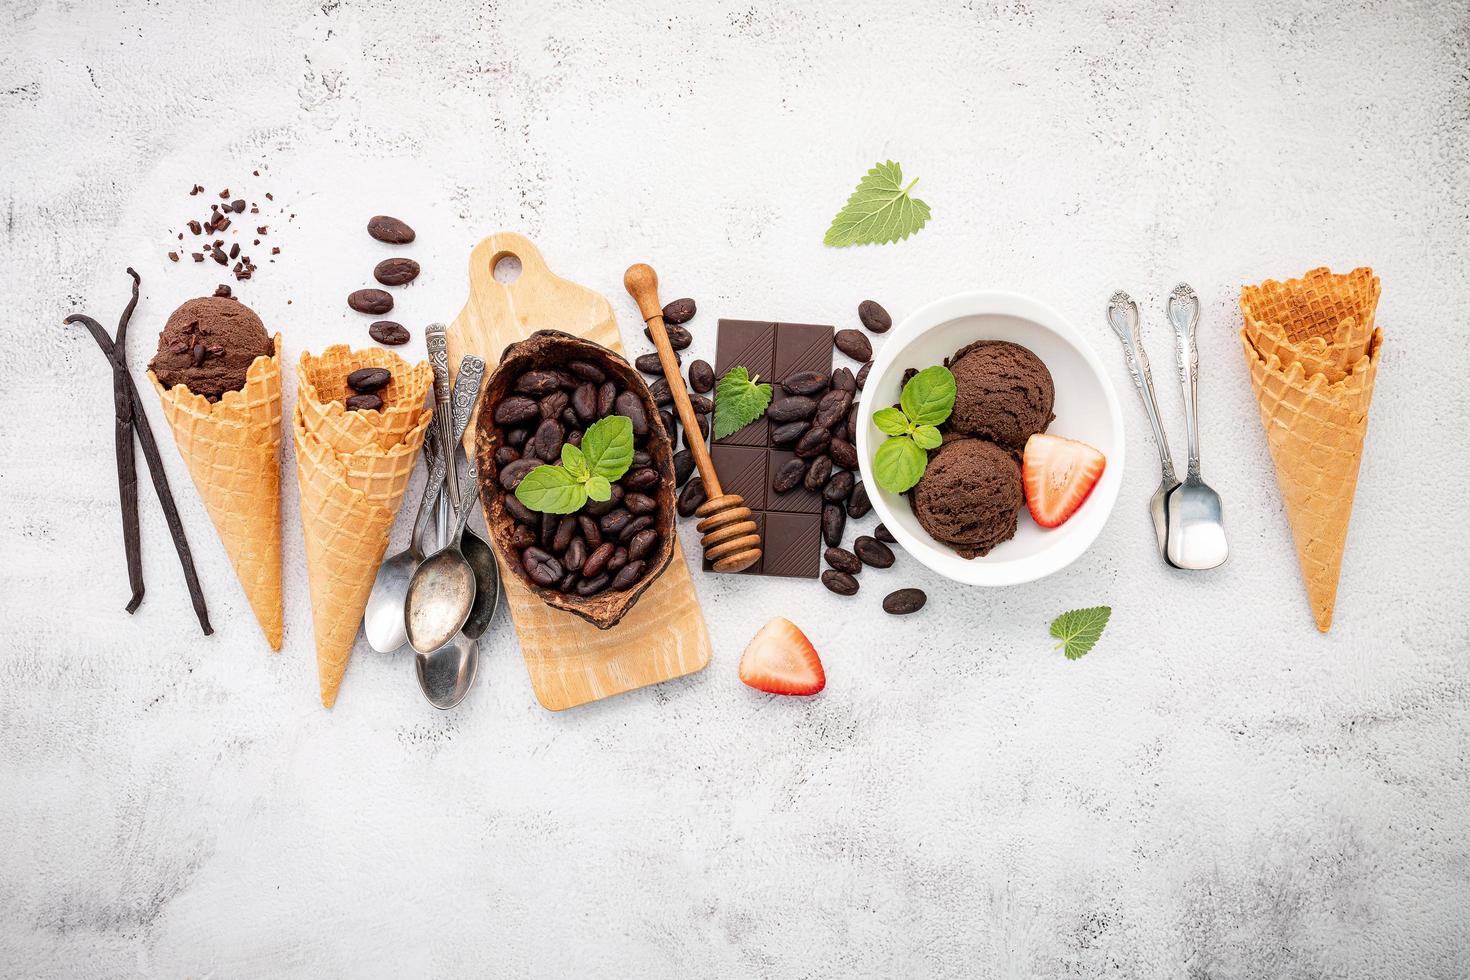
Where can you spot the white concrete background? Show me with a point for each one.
(1216, 791)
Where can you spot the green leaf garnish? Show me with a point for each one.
(880, 210)
(739, 401)
(1079, 629)
(928, 398)
(551, 490)
(598, 488)
(608, 446)
(926, 437)
(898, 464)
(605, 454)
(912, 430)
(891, 420)
(575, 462)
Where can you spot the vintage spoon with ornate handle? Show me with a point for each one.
(442, 590)
(731, 542)
(1196, 518)
(1123, 318)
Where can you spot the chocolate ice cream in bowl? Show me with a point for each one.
(1019, 373)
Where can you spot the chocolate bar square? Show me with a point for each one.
(798, 500)
(791, 545)
(802, 347)
(742, 470)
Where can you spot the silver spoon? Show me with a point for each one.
(383, 621)
(447, 674)
(1123, 318)
(442, 590)
(1196, 519)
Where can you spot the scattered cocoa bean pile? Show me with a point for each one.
(607, 544)
(701, 381)
(394, 271)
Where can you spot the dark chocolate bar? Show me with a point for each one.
(790, 523)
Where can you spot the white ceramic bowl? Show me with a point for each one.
(1086, 409)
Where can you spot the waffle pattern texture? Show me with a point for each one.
(1311, 346)
(352, 468)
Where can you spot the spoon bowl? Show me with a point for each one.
(447, 674)
(481, 556)
(1196, 526)
(441, 596)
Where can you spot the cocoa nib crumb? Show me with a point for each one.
(196, 190)
(196, 228)
(261, 229)
(238, 205)
(224, 291)
(197, 256)
(173, 256)
(224, 195)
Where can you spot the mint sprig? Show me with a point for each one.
(739, 401)
(585, 473)
(880, 210)
(913, 428)
(1080, 629)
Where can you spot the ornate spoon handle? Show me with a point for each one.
(466, 390)
(1183, 311)
(1123, 318)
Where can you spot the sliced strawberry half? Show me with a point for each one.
(781, 660)
(1058, 475)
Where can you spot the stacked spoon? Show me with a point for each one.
(1188, 519)
(440, 601)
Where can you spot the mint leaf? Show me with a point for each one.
(575, 462)
(1079, 629)
(739, 401)
(928, 398)
(927, 437)
(891, 421)
(608, 446)
(880, 210)
(551, 490)
(598, 488)
(898, 464)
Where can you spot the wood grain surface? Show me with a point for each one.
(570, 661)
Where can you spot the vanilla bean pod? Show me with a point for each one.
(127, 463)
(124, 381)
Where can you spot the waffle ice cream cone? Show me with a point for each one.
(322, 392)
(1312, 352)
(233, 449)
(350, 497)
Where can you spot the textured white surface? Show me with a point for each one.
(1216, 791)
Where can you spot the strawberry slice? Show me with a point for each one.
(1058, 475)
(781, 660)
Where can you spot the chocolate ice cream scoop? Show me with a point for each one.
(1002, 393)
(969, 496)
(208, 345)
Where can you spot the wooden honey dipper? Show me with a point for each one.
(731, 541)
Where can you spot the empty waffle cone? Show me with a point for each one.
(322, 392)
(1314, 410)
(1316, 305)
(233, 448)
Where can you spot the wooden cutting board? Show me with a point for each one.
(570, 661)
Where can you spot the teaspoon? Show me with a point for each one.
(442, 590)
(1196, 518)
(1123, 318)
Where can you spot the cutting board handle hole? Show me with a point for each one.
(505, 267)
